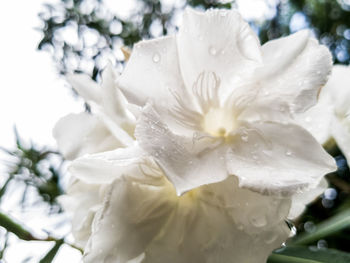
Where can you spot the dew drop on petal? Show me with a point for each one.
(270, 237)
(212, 51)
(258, 221)
(288, 153)
(156, 57)
(245, 137)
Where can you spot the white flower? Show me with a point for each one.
(144, 220)
(111, 126)
(220, 104)
(221, 164)
(330, 117)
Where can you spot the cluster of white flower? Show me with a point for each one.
(196, 152)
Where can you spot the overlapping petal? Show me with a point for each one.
(267, 162)
(295, 69)
(185, 167)
(204, 46)
(145, 220)
(78, 134)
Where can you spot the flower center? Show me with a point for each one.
(219, 122)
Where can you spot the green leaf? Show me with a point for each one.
(324, 229)
(52, 253)
(295, 254)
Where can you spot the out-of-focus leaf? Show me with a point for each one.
(52, 252)
(324, 229)
(294, 254)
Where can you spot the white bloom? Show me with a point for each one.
(330, 118)
(221, 104)
(229, 160)
(144, 220)
(111, 126)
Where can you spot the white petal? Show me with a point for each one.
(152, 71)
(278, 159)
(338, 87)
(341, 134)
(86, 87)
(317, 120)
(295, 68)
(207, 228)
(78, 134)
(216, 41)
(148, 221)
(81, 201)
(132, 216)
(104, 168)
(113, 102)
(301, 200)
(185, 167)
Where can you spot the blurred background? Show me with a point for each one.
(43, 40)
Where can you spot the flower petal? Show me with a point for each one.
(295, 69)
(100, 168)
(338, 87)
(78, 134)
(85, 86)
(278, 159)
(341, 134)
(132, 216)
(81, 201)
(205, 227)
(155, 63)
(317, 120)
(176, 155)
(301, 200)
(217, 41)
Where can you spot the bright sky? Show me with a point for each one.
(33, 97)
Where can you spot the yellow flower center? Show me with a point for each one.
(219, 122)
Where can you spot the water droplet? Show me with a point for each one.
(258, 221)
(244, 136)
(288, 153)
(322, 244)
(309, 227)
(156, 58)
(319, 72)
(212, 51)
(270, 237)
(293, 231)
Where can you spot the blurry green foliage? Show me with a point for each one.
(33, 167)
